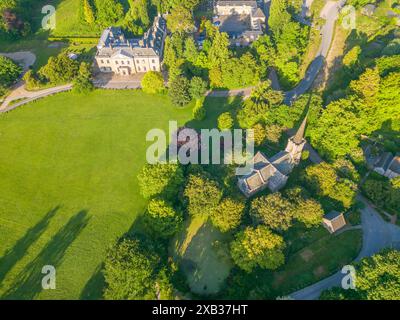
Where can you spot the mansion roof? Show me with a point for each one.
(113, 43)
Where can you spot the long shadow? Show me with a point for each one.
(13, 255)
(94, 288)
(28, 283)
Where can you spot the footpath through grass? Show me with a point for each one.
(68, 167)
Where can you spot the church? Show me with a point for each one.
(273, 173)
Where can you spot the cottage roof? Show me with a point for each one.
(395, 164)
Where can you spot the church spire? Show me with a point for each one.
(299, 136)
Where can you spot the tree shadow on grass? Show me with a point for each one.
(13, 255)
(94, 288)
(29, 282)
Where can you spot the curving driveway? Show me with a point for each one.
(330, 13)
(377, 235)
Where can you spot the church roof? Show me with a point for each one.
(258, 14)
(395, 165)
(299, 136)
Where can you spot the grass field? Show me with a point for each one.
(68, 167)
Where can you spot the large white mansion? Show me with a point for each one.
(125, 57)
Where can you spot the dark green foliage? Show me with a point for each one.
(160, 179)
(9, 71)
(202, 194)
(198, 87)
(83, 82)
(258, 246)
(60, 69)
(384, 193)
(377, 278)
(132, 272)
(179, 91)
(162, 219)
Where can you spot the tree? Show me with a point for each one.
(180, 20)
(9, 71)
(378, 278)
(162, 218)
(219, 52)
(129, 272)
(257, 247)
(31, 80)
(227, 214)
(309, 212)
(60, 69)
(88, 12)
(225, 121)
(153, 82)
(160, 179)
(278, 17)
(137, 19)
(108, 12)
(323, 180)
(83, 82)
(199, 111)
(198, 87)
(202, 194)
(351, 57)
(367, 86)
(273, 133)
(273, 210)
(260, 134)
(179, 91)
(252, 112)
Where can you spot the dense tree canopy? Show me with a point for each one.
(153, 82)
(9, 71)
(377, 278)
(202, 193)
(258, 246)
(273, 210)
(160, 179)
(228, 214)
(131, 273)
(162, 218)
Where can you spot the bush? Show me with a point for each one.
(199, 112)
(225, 121)
(153, 82)
(31, 80)
(9, 71)
(83, 82)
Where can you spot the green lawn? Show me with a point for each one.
(317, 261)
(203, 254)
(68, 167)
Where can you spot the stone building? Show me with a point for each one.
(333, 221)
(116, 54)
(243, 20)
(273, 173)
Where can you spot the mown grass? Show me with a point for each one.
(68, 167)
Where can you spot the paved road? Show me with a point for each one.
(29, 96)
(377, 235)
(330, 13)
(25, 58)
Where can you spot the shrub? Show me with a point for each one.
(225, 121)
(199, 112)
(153, 82)
(9, 71)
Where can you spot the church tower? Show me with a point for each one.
(296, 143)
